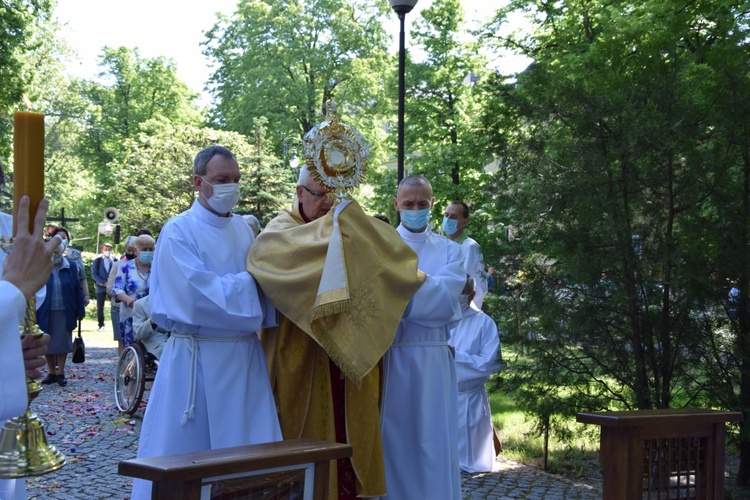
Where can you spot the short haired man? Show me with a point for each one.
(100, 268)
(211, 390)
(477, 346)
(455, 220)
(419, 410)
(324, 369)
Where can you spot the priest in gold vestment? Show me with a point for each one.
(341, 281)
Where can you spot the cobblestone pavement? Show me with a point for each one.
(511, 480)
(83, 422)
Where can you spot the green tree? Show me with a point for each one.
(283, 60)
(19, 21)
(442, 103)
(130, 91)
(153, 180)
(68, 185)
(266, 187)
(615, 149)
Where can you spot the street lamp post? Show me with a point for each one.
(401, 7)
(294, 160)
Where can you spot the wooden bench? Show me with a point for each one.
(270, 467)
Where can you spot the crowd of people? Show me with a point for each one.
(325, 324)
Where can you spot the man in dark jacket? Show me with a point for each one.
(100, 273)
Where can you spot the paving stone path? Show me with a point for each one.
(84, 423)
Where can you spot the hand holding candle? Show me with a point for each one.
(28, 158)
(29, 264)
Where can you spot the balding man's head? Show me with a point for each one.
(413, 201)
(415, 181)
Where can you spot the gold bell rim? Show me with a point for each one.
(24, 449)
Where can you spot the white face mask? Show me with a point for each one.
(463, 301)
(225, 196)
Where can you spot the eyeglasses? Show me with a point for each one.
(315, 194)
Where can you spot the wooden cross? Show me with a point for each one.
(62, 218)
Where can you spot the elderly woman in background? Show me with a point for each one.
(59, 314)
(114, 311)
(253, 222)
(153, 337)
(74, 255)
(131, 283)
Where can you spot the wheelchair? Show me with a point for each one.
(135, 367)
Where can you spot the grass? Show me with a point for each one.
(576, 458)
(90, 329)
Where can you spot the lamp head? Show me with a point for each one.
(402, 6)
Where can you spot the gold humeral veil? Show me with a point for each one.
(354, 323)
(341, 284)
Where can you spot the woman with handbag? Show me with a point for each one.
(59, 314)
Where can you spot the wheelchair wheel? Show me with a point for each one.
(130, 379)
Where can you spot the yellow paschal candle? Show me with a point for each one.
(28, 162)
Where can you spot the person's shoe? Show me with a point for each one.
(101, 328)
(62, 381)
(49, 379)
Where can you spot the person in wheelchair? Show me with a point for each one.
(153, 337)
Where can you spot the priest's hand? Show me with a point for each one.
(34, 348)
(29, 264)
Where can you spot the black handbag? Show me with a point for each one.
(79, 348)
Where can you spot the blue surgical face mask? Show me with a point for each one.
(415, 220)
(450, 226)
(146, 257)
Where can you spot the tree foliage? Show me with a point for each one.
(19, 22)
(130, 91)
(283, 60)
(442, 104)
(154, 181)
(618, 151)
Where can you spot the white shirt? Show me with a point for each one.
(13, 394)
(477, 345)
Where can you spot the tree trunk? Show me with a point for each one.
(743, 332)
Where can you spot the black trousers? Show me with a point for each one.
(101, 299)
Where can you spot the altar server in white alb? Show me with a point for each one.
(211, 390)
(455, 220)
(25, 271)
(477, 347)
(419, 413)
